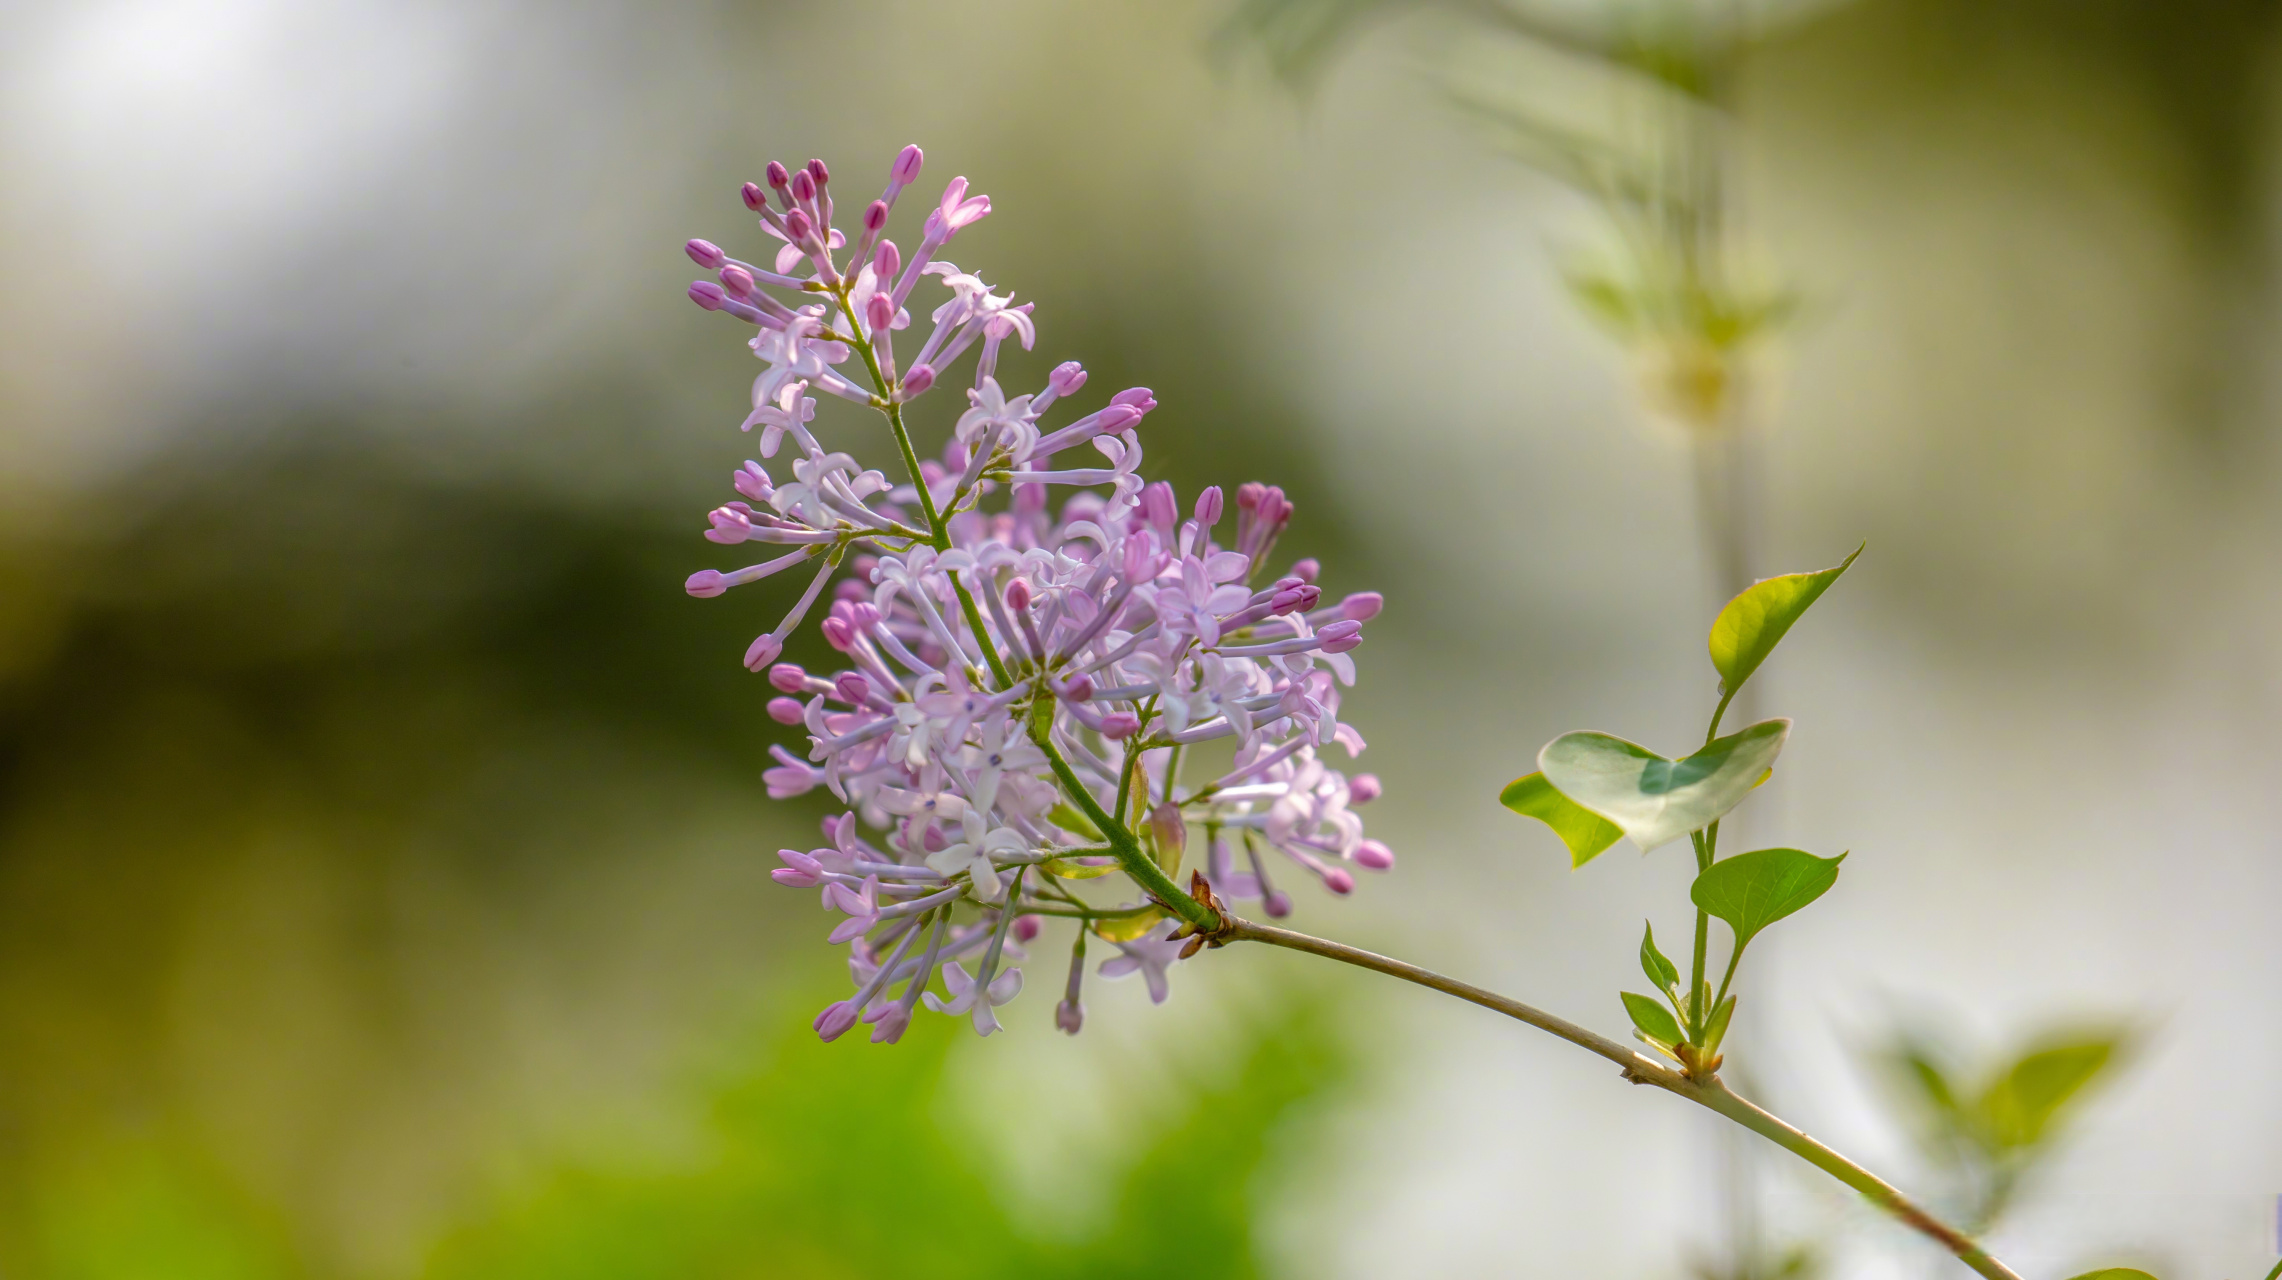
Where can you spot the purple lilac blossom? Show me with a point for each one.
(1126, 634)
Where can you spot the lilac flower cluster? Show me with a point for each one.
(1021, 683)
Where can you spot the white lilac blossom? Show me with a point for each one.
(1022, 678)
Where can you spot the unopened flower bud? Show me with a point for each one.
(1277, 904)
(778, 176)
(1341, 636)
(705, 584)
(821, 175)
(1362, 606)
(803, 186)
(784, 677)
(1208, 507)
(1308, 570)
(1118, 417)
(1026, 928)
(918, 380)
(755, 199)
(1363, 788)
(1066, 378)
(752, 481)
(836, 1019)
(1069, 1016)
(1078, 688)
(1018, 594)
(1373, 854)
(1135, 397)
(1159, 507)
(1119, 725)
(853, 688)
(1338, 882)
(707, 294)
(799, 870)
(886, 261)
(907, 165)
(1248, 495)
(879, 313)
(738, 282)
(797, 225)
(785, 710)
(762, 652)
(875, 216)
(706, 254)
(839, 635)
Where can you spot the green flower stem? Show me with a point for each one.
(1706, 1091)
(1130, 856)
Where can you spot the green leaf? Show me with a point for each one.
(1652, 962)
(2114, 1273)
(1653, 799)
(1072, 869)
(1126, 928)
(1753, 890)
(1753, 623)
(1586, 833)
(1654, 1020)
(1716, 1030)
(1067, 816)
(2018, 1108)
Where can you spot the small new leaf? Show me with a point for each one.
(1126, 928)
(1066, 816)
(1654, 1020)
(1655, 800)
(1586, 833)
(1753, 623)
(1716, 1030)
(2018, 1109)
(1071, 869)
(1753, 890)
(1660, 970)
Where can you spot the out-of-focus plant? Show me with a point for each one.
(1991, 1129)
(1024, 685)
(1676, 283)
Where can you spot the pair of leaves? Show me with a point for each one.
(1660, 1028)
(1592, 788)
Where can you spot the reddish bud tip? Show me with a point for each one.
(784, 710)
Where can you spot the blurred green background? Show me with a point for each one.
(383, 860)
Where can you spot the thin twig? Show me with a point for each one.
(1706, 1091)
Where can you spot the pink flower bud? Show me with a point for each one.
(839, 635)
(849, 589)
(707, 294)
(755, 198)
(752, 481)
(1079, 688)
(1362, 606)
(803, 186)
(837, 1017)
(1294, 599)
(799, 870)
(1248, 495)
(1171, 831)
(705, 584)
(784, 677)
(730, 527)
(762, 652)
(1026, 928)
(1134, 396)
(738, 282)
(706, 254)
(875, 216)
(785, 710)
(1374, 855)
(879, 312)
(907, 165)
(1118, 417)
(1277, 904)
(1018, 594)
(1069, 1016)
(797, 225)
(1363, 788)
(1341, 636)
(918, 380)
(777, 176)
(1066, 378)
(1208, 507)
(886, 261)
(853, 688)
(863, 615)
(1308, 570)
(1338, 882)
(1159, 507)
(817, 172)
(1119, 725)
